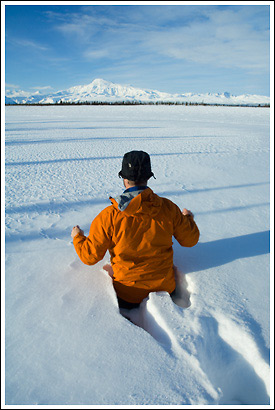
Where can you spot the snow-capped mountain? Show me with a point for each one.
(106, 91)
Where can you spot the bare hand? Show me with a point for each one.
(186, 212)
(76, 230)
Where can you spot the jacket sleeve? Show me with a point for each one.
(186, 231)
(91, 249)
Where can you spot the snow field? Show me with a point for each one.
(66, 341)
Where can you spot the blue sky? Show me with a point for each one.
(172, 48)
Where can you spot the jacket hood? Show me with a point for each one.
(138, 202)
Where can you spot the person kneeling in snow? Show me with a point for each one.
(137, 229)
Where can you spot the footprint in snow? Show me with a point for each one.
(231, 358)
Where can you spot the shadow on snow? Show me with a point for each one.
(211, 254)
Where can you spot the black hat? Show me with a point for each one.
(136, 166)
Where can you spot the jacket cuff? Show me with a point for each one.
(77, 236)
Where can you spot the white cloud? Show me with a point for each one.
(41, 88)
(11, 85)
(224, 40)
(221, 37)
(28, 44)
(96, 54)
(82, 27)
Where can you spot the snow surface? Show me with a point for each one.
(106, 91)
(66, 341)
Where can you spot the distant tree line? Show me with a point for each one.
(139, 103)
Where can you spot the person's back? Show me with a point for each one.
(141, 250)
(137, 229)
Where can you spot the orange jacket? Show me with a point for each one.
(139, 240)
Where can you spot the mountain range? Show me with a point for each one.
(105, 91)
